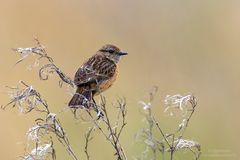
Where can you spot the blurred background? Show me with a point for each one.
(180, 46)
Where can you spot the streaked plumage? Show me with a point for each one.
(96, 75)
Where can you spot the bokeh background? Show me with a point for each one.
(180, 46)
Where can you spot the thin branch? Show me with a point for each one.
(118, 148)
(88, 138)
(161, 131)
(51, 68)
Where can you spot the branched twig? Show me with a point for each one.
(161, 131)
(123, 111)
(185, 122)
(40, 51)
(50, 69)
(152, 143)
(28, 99)
(112, 135)
(58, 130)
(174, 140)
(88, 138)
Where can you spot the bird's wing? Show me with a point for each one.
(96, 70)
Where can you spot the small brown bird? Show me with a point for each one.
(96, 75)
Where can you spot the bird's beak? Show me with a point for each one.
(122, 53)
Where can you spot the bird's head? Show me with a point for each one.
(112, 52)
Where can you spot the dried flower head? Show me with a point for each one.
(46, 70)
(43, 152)
(176, 102)
(26, 98)
(38, 50)
(35, 133)
(186, 144)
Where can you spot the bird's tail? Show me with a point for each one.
(82, 98)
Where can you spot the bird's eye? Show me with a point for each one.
(111, 51)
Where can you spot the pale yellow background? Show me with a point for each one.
(181, 46)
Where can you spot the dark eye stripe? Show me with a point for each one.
(107, 50)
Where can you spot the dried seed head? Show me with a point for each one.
(176, 102)
(186, 144)
(41, 152)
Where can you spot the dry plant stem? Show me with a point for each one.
(61, 136)
(161, 131)
(40, 99)
(122, 126)
(150, 123)
(67, 146)
(55, 127)
(172, 148)
(174, 140)
(42, 48)
(100, 129)
(44, 72)
(193, 103)
(182, 130)
(27, 92)
(150, 140)
(88, 138)
(115, 137)
(116, 144)
(50, 68)
(197, 156)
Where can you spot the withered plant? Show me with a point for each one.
(40, 145)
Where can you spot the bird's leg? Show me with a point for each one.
(96, 109)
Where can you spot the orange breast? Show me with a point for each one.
(108, 83)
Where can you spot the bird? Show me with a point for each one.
(96, 75)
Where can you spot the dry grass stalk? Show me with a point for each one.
(170, 142)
